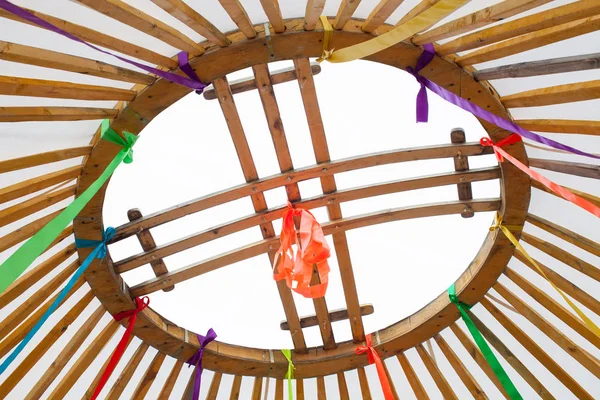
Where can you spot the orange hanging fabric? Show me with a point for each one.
(297, 269)
(561, 191)
(375, 359)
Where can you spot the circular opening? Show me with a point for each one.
(187, 152)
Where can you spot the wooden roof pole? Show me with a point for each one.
(35, 204)
(561, 126)
(258, 201)
(536, 350)
(364, 384)
(28, 114)
(514, 362)
(573, 321)
(257, 388)
(33, 185)
(271, 8)
(121, 383)
(213, 389)
(146, 380)
(344, 13)
(30, 229)
(461, 370)
(342, 386)
(321, 393)
(269, 102)
(568, 93)
(328, 185)
(436, 374)
(562, 340)
(412, 377)
(235, 388)
(47, 341)
(238, 14)
(169, 384)
(314, 9)
(571, 168)
(478, 357)
(380, 14)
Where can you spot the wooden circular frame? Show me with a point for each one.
(175, 341)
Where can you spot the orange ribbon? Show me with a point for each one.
(297, 269)
(375, 359)
(561, 191)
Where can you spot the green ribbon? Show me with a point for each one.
(21, 259)
(510, 388)
(290, 372)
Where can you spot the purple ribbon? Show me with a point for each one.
(423, 107)
(181, 80)
(196, 360)
(184, 65)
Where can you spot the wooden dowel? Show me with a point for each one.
(30, 114)
(271, 8)
(235, 388)
(43, 158)
(33, 185)
(436, 374)
(146, 381)
(314, 9)
(167, 388)
(382, 11)
(334, 316)
(238, 14)
(321, 393)
(412, 377)
(565, 234)
(564, 167)
(543, 67)
(344, 13)
(342, 386)
(299, 389)
(568, 126)
(213, 390)
(279, 389)
(364, 384)
(257, 388)
(148, 244)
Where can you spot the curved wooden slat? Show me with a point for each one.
(461, 370)
(44, 345)
(314, 8)
(99, 39)
(123, 12)
(271, 8)
(42, 384)
(531, 41)
(513, 360)
(28, 114)
(478, 19)
(186, 14)
(238, 14)
(562, 340)
(33, 275)
(165, 392)
(344, 13)
(550, 18)
(13, 86)
(537, 351)
(380, 14)
(436, 374)
(561, 126)
(565, 234)
(543, 67)
(568, 93)
(33, 185)
(51, 59)
(553, 306)
(300, 174)
(43, 158)
(562, 256)
(412, 377)
(35, 204)
(310, 203)
(123, 379)
(257, 248)
(564, 167)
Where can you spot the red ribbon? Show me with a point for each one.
(297, 269)
(375, 359)
(561, 191)
(140, 304)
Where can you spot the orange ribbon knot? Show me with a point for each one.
(375, 359)
(312, 251)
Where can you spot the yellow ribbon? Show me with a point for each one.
(396, 35)
(505, 229)
(328, 31)
(290, 372)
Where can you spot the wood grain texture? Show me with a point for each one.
(334, 316)
(437, 375)
(520, 26)
(314, 8)
(123, 380)
(364, 384)
(213, 390)
(34, 160)
(33, 185)
(148, 378)
(344, 13)
(561, 126)
(568, 93)
(29, 114)
(380, 14)
(238, 14)
(570, 168)
(271, 8)
(539, 68)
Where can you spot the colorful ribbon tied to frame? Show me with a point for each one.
(422, 107)
(506, 229)
(98, 252)
(290, 372)
(21, 259)
(487, 352)
(312, 251)
(402, 32)
(374, 358)
(192, 82)
(140, 304)
(501, 154)
(196, 361)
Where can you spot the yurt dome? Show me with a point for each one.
(263, 199)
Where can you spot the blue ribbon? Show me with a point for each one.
(98, 252)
